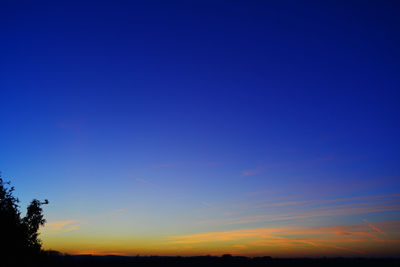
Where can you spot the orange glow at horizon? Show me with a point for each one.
(351, 240)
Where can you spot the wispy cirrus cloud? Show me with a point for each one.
(257, 212)
(188, 164)
(207, 204)
(209, 163)
(116, 212)
(340, 237)
(169, 165)
(142, 181)
(317, 212)
(251, 172)
(374, 227)
(314, 202)
(263, 168)
(62, 226)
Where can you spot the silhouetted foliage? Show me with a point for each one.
(19, 242)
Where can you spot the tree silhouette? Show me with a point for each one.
(19, 242)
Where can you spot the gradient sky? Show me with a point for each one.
(205, 127)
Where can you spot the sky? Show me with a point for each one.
(205, 127)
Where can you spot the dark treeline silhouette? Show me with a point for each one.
(208, 261)
(19, 242)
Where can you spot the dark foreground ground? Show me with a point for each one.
(205, 261)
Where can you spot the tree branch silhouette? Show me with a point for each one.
(19, 242)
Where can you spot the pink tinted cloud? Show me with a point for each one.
(255, 212)
(251, 172)
(374, 227)
(263, 168)
(169, 165)
(351, 238)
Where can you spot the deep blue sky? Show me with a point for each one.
(120, 103)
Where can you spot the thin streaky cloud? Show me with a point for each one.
(327, 201)
(143, 181)
(300, 212)
(263, 168)
(61, 226)
(250, 172)
(207, 204)
(169, 165)
(374, 227)
(323, 237)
